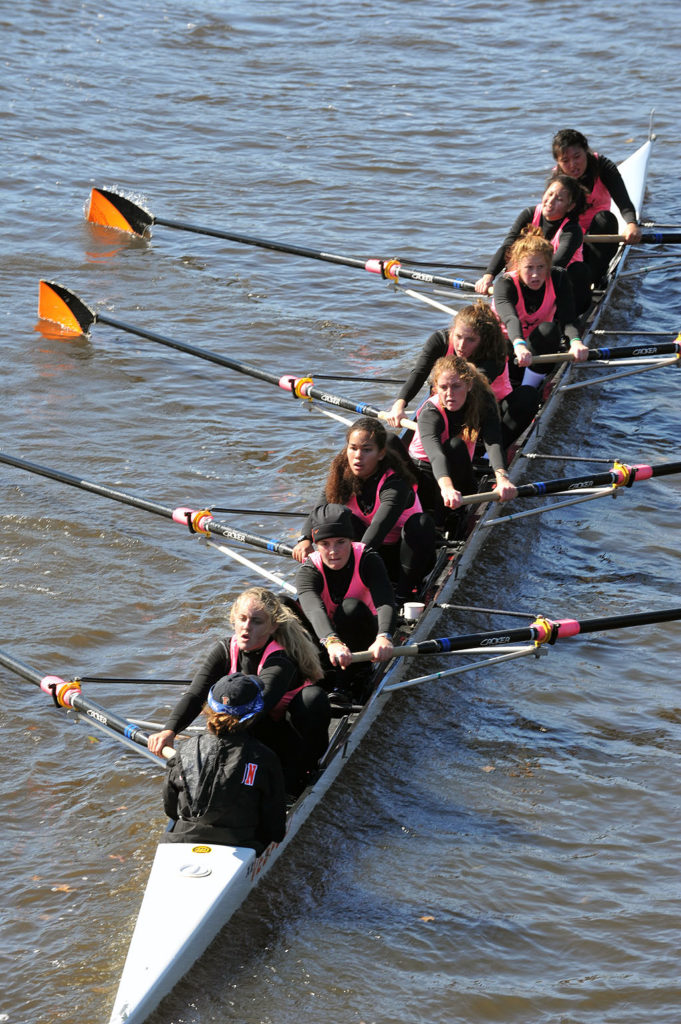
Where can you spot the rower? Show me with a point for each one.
(346, 594)
(225, 787)
(373, 477)
(535, 305)
(269, 642)
(557, 216)
(461, 408)
(603, 183)
(474, 334)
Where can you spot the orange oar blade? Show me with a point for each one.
(114, 211)
(60, 306)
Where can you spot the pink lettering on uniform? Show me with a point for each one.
(249, 774)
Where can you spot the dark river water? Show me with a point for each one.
(502, 848)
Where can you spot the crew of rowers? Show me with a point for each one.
(270, 689)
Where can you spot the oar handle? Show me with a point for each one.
(479, 499)
(398, 652)
(404, 422)
(603, 239)
(647, 237)
(553, 357)
(168, 752)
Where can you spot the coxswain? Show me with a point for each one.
(269, 642)
(374, 478)
(475, 334)
(604, 186)
(346, 594)
(534, 303)
(224, 786)
(461, 408)
(557, 216)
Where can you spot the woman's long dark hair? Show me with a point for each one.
(341, 483)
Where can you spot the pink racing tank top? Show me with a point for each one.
(357, 588)
(366, 517)
(279, 708)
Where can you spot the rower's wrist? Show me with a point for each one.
(519, 341)
(328, 641)
(386, 636)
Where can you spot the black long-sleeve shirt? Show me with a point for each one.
(506, 301)
(436, 347)
(372, 571)
(570, 239)
(396, 496)
(600, 167)
(278, 676)
(430, 428)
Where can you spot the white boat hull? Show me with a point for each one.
(198, 888)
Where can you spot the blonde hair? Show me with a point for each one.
(478, 398)
(530, 243)
(287, 630)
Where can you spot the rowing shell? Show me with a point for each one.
(202, 886)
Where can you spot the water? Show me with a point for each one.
(503, 848)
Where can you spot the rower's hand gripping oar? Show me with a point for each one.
(61, 306)
(542, 631)
(619, 476)
(641, 350)
(112, 210)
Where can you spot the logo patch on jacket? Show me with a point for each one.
(249, 774)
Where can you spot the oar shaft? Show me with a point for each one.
(647, 238)
(614, 476)
(621, 352)
(192, 350)
(572, 627)
(264, 243)
(87, 485)
(68, 694)
(203, 522)
(390, 269)
(541, 631)
(305, 388)
(197, 521)
(300, 386)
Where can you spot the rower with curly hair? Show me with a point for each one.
(373, 477)
(475, 334)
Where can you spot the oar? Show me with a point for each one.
(599, 332)
(198, 521)
(68, 695)
(123, 681)
(619, 476)
(115, 211)
(540, 632)
(647, 238)
(61, 306)
(622, 352)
